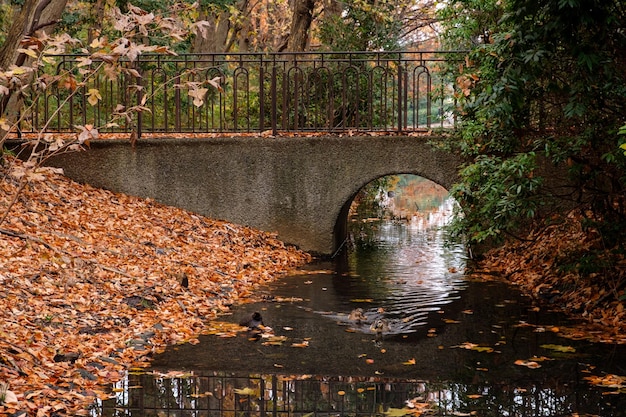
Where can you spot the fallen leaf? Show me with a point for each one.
(528, 364)
(559, 348)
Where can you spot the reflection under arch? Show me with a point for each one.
(398, 209)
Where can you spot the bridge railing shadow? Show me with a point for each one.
(252, 92)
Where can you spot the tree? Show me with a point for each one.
(377, 25)
(224, 24)
(542, 79)
(34, 17)
(300, 25)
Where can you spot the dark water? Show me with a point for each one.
(451, 344)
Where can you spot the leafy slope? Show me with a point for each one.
(93, 282)
(547, 266)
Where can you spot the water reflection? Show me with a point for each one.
(223, 394)
(404, 273)
(401, 271)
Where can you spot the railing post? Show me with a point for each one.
(274, 100)
(139, 98)
(261, 96)
(400, 84)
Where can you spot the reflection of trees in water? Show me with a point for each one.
(225, 395)
(398, 196)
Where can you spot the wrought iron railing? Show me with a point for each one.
(317, 91)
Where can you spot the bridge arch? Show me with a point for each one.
(298, 187)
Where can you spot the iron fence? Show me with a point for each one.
(250, 92)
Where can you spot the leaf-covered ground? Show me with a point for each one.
(93, 283)
(554, 265)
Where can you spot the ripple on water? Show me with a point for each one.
(406, 274)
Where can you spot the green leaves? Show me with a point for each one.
(547, 79)
(496, 195)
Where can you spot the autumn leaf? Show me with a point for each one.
(93, 96)
(246, 391)
(217, 83)
(30, 52)
(477, 348)
(83, 61)
(198, 95)
(397, 412)
(559, 348)
(528, 364)
(4, 124)
(409, 362)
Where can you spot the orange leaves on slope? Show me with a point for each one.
(543, 265)
(92, 282)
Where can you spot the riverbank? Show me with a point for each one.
(567, 267)
(93, 283)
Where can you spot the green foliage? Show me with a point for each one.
(541, 77)
(363, 26)
(497, 195)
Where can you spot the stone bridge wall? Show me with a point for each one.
(299, 187)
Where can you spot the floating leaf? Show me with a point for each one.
(559, 348)
(477, 348)
(397, 412)
(528, 364)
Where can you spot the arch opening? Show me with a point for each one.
(402, 197)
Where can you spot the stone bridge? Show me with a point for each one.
(298, 187)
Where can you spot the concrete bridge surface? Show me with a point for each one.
(299, 187)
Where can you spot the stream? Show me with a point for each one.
(450, 346)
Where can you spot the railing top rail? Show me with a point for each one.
(283, 53)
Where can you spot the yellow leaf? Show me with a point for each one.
(409, 362)
(93, 96)
(31, 53)
(245, 391)
(559, 348)
(397, 412)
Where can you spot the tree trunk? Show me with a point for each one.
(216, 39)
(98, 12)
(17, 31)
(35, 15)
(300, 25)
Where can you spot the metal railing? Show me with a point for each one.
(303, 92)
